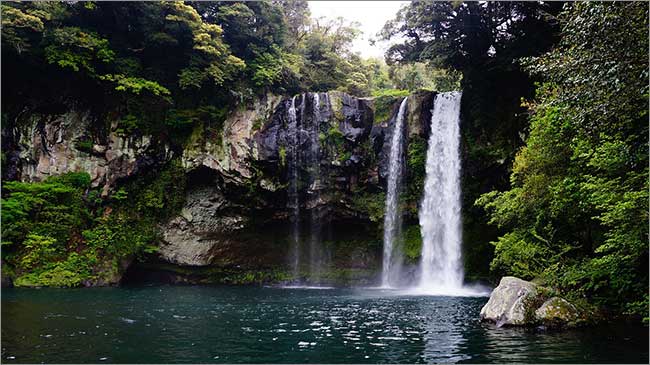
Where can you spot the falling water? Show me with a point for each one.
(441, 269)
(392, 215)
(293, 202)
(315, 249)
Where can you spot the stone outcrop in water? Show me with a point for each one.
(509, 302)
(517, 302)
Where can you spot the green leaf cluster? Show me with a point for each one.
(56, 233)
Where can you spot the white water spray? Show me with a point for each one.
(293, 202)
(392, 215)
(440, 219)
(315, 246)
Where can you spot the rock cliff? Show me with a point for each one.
(324, 154)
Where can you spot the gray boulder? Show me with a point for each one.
(509, 302)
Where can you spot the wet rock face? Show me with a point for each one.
(59, 144)
(419, 113)
(239, 143)
(271, 136)
(357, 118)
(339, 150)
(194, 236)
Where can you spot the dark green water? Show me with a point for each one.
(195, 324)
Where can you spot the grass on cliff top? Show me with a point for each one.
(394, 93)
(385, 101)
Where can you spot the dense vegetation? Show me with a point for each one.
(165, 66)
(554, 134)
(577, 212)
(60, 232)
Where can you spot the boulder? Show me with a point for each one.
(556, 311)
(509, 302)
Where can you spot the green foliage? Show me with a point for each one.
(210, 58)
(394, 93)
(19, 26)
(258, 123)
(422, 76)
(56, 233)
(84, 145)
(76, 49)
(158, 194)
(577, 212)
(127, 125)
(39, 249)
(335, 137)
(282, 152)
(52, 208)
(416, 155)
(412, 243)
(371, 204)
(170, 59)
(136, 85)
(385, 102)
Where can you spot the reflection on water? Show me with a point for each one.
(223, 324)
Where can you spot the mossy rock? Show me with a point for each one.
(556, 312)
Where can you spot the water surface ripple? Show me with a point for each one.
(200, 324)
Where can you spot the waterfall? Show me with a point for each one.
(303, 165)
(440, 220)
(315, 249)
(392, 217)
(293, 199)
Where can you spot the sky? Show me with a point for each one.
(372, 15)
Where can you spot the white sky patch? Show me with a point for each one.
(372, 15)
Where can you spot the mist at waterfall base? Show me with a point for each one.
(440, 269)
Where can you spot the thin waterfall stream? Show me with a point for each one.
(293, 199)
(315, 244)
(392, 218)
(303, 165)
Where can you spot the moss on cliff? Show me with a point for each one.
(416, 156)
(58, 233)
(385, 103)
(412, 243)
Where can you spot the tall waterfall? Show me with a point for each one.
(440, 220)
(392, 216)
(293, 198)
(303, 165)
(315, 247)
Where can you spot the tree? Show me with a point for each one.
(577, 212)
